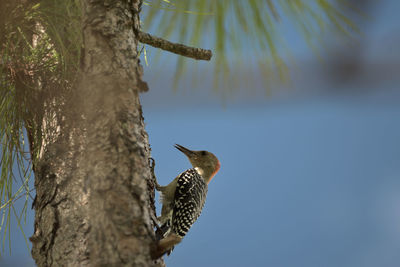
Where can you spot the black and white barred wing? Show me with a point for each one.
(190, 196)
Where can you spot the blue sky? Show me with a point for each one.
(307, 184)
(310, 176)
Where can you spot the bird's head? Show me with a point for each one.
(205, 163)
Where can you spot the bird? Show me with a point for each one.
(183, 199)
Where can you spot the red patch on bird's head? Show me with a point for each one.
(215, 172)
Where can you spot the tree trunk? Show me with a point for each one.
(92, 179)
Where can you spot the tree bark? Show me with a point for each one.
(93, 181)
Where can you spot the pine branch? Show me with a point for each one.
(180, 49)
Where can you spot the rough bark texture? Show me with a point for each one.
(93, 182)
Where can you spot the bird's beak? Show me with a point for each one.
(184, 150)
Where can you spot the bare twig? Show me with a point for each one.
(180, 49)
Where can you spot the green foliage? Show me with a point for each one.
(11, 119)
(247, 31)
(40, 51)
(12, 153)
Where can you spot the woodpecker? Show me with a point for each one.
(184, 198)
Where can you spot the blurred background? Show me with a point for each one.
(310, 168)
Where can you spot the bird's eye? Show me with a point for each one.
(203, 153)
